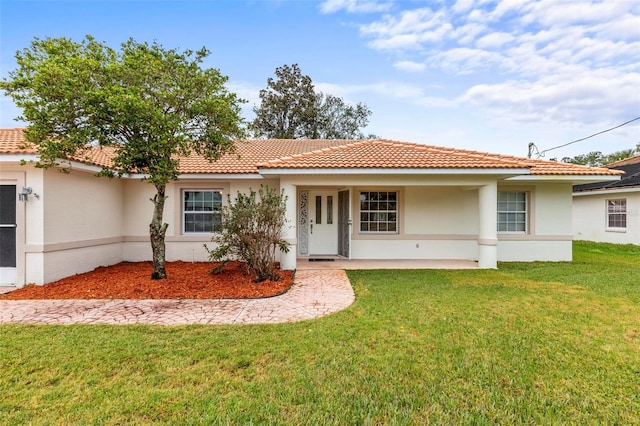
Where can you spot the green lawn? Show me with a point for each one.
(537, 343)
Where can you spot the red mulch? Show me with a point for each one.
(131, 280)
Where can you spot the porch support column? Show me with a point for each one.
(488, 233)
(289, 231)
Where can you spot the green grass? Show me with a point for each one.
(537, 343)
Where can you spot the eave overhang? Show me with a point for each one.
(502, 172)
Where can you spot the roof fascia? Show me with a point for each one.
(603, 191)
(200, 176)
(395, 171)
(32, 158)
(191, 176)
(576, 179)
(17, 158)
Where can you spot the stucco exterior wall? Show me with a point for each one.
(81, 222)
(179, 246)
(79, 207)
(440, 210)
(82, 226)
(435, 222)
(548, 237)
(590, 217)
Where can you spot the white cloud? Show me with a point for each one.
(409, 66)
(562, 61)
(494, 40)
(587, 97)
(462, 6)
(415, 94)
(354, 6)
(410, 30)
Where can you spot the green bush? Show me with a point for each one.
(251, 231)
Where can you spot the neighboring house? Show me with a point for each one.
(609, 211)
(372, 199)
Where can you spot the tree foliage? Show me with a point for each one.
(150, 103)
(290, 108)
(251, 231)
(596, 158)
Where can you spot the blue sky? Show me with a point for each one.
(489, 75)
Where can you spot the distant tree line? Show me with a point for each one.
(597, 158)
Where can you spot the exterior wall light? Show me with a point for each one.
(24, 193)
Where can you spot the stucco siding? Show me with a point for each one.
(529, 251)
(138, 210)
(440, 210)
(79, 206)
(63, 263)
(590, 218)
(414, 249)
(552, 214)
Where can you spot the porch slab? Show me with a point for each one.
(6, 289)
(332, 262)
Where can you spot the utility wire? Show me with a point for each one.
(541, 153)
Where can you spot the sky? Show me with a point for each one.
(486, 75)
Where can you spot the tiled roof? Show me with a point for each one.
(626, 161)
(252, 155)
(403, 155)
(12, 141)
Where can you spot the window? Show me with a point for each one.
(512, 212)
(201, 211)
(318, 209)
(617, 213)
(379, 212)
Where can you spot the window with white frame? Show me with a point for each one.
(617, 213)
(379, 212)
(201, 210)
(512, 212)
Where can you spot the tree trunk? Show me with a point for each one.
(157, 231)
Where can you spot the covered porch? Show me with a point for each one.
(390, 222)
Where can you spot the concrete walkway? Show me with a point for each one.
(315, 293)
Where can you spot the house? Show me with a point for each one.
(368, 199)
(609, 211)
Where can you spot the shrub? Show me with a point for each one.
(251, 231)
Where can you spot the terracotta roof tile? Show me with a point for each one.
(627, 161)
(12, 141)
(250, 155)
(405, 155)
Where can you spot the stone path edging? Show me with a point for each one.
(315, 293)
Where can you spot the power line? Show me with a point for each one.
(541, 153)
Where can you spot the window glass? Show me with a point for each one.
(379, 211)
(512, 212)
(617, 213)
(201, 211)
(318, 209)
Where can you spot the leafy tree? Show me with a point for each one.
(152, 104)
(596, 158)
(251, 231)
(291, 109)
(338, 120)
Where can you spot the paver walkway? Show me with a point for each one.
(315, 293)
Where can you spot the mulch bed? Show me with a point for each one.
(131, 280)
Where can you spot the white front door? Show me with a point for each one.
(8, 234)
(323, 223)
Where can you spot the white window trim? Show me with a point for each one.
(607, 213)
(527, 214)
(183, 213)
